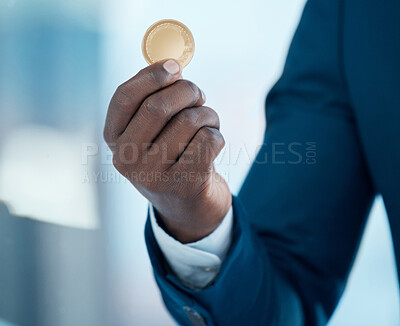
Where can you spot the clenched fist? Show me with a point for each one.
(165, 141)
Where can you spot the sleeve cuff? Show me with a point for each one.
(195, 264)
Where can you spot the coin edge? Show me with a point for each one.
(159, 22)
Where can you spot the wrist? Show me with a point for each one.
(191, 224)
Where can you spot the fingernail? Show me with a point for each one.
(171, 67)
(203, 96)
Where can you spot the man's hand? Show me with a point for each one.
(164, 141)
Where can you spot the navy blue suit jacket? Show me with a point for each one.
(298, 224)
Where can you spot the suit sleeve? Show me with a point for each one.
(302, 209)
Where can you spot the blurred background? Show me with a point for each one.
(60, 62)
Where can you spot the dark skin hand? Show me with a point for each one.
(165, 141)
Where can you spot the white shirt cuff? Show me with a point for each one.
(196, 264)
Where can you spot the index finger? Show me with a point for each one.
(129, 96)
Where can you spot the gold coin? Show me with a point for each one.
(168, 39)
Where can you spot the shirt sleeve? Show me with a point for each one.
(195, 264)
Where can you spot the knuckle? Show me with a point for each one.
(211, 116)
(192, 89)
(221, 141)
(156, 107)
(156, 76)
(213, 135)
(123, 96)
(189, 117)
(208, 133)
